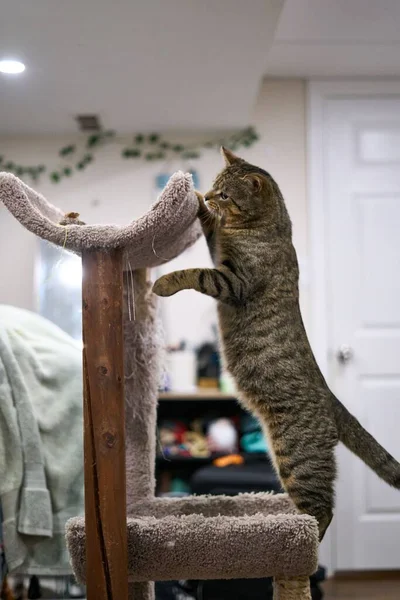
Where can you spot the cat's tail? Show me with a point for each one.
(353, 435)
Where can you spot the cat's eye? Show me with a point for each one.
(223, 196)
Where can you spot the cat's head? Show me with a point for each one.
(246, 196)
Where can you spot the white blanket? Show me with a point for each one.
(41, 441)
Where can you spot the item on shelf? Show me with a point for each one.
(177, 439)
(208, 366)
(227, 383)
(253, 441)
(171, 434)
(253, 438)
(222, 436)
(165, 382)
(253, 475)
(181, 369)
(179, 486)
(196, 443)
(229, 459)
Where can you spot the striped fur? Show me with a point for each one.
(265, 346)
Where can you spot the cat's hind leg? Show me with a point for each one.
(309, 481)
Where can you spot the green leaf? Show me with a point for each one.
(149, 156)
(139, 139)
(55, 176)
(20, 171)
(178, 148)
(67, 171)
(9, 166)
(165, 145)
(131, 152)
(1, 159)
(153, 138)
(66, 150)
(93, 140)
(88, 158)
(41, 168)
(190, 154)
(80, 165)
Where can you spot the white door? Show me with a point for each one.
(361, 196)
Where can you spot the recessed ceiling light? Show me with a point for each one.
(11, 67)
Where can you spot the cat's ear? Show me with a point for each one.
(229, 157)
(257, 181)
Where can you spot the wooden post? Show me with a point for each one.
(104, 426)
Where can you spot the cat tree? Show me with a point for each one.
(203, 537)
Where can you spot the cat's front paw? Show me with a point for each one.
(202, 209)
(164, 286)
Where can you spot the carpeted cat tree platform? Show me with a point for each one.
(216, 537)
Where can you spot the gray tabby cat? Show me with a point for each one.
(265, 346)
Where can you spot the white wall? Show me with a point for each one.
(115, 190)
(280, 117)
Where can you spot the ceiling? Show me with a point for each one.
(336, 38)
(140, 65)
(179, 64)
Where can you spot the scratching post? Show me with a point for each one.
(129, 538)
(104, 426)
(143, 345)
(142, 375)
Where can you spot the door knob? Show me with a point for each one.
(344, 354)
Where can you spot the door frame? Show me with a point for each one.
(319, 91)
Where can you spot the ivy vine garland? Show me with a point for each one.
(150, 147)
